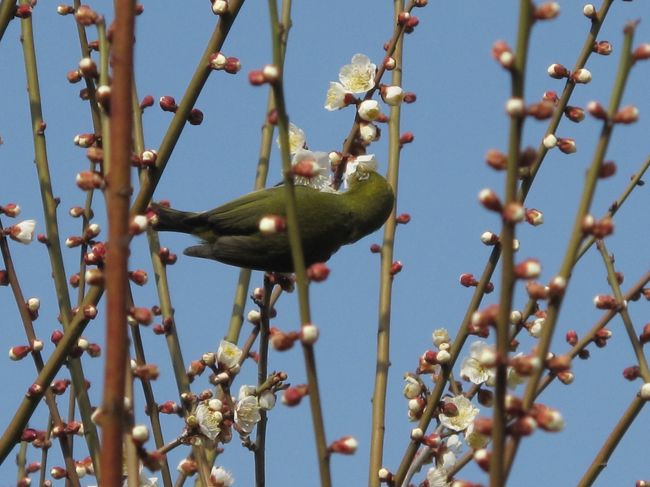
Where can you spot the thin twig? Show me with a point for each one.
(378, 425)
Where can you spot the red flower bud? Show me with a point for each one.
(195, 117)
(318, 272)
(168, 104)
(468, 280)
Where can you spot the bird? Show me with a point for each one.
(327, 220)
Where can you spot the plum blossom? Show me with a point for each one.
(297, 140)
(208, 414)
(228, 354)
(437, 477)
(476, 368)
(359, 76)
(247, 410)
(365, 162)
(220, 477)
(320, 163)
(440, 336)
(465, 416)
(336, 97)
(475, 440)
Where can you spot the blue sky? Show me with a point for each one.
(458, 116)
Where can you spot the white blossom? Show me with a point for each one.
(228, 354)
(297, 138)
(466, 413)
(359, 76)
(209, 418)
(437, 477)
(368, 132)
(220, 477)
(475, 440)
(412, 388)
(320, 164)
(439, 336)
(267, 400)
(247, 410)
(474, 367)
(359, 167)
(335, 98)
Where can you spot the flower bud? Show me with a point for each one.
(496, 159)
(514, 212)
(626, 115)
(392, 95)
(389, 63)
(515, 107)
(318, 272)
(88, 180)
(293, 395)
(139, 277)
(566, 145)
(146, 102)
(85, 15)
(219, 7)
(346, 445)
(12, 210)
(19, 352)
(550, 141)
(590, 11)
(575, 114)
(557, 71)
(232, 65)
(195, 117)
(546, 11)
(308, 334)
(642, 52)
(468, 280)
(489, 238)
(541, 111)
(534, 217)
(604, 48)
(502, 52)
(581, 76)
(272, 224)
(167, 104)
(490, 200)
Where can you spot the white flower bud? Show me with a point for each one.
(369, 110)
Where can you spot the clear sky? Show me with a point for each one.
(458, 116)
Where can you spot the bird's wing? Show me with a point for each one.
(251, 252)
(242, 215)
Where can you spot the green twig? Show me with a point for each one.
(297, 252)
(621, 305)
(378, 425)
(507, 237)
(577, 234)
(262, 373)
(150, 181)
(52, 229)
(7, 9)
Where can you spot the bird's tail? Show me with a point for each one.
(170, 220)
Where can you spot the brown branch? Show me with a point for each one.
(118, 190)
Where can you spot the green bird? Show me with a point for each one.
(327, 220)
